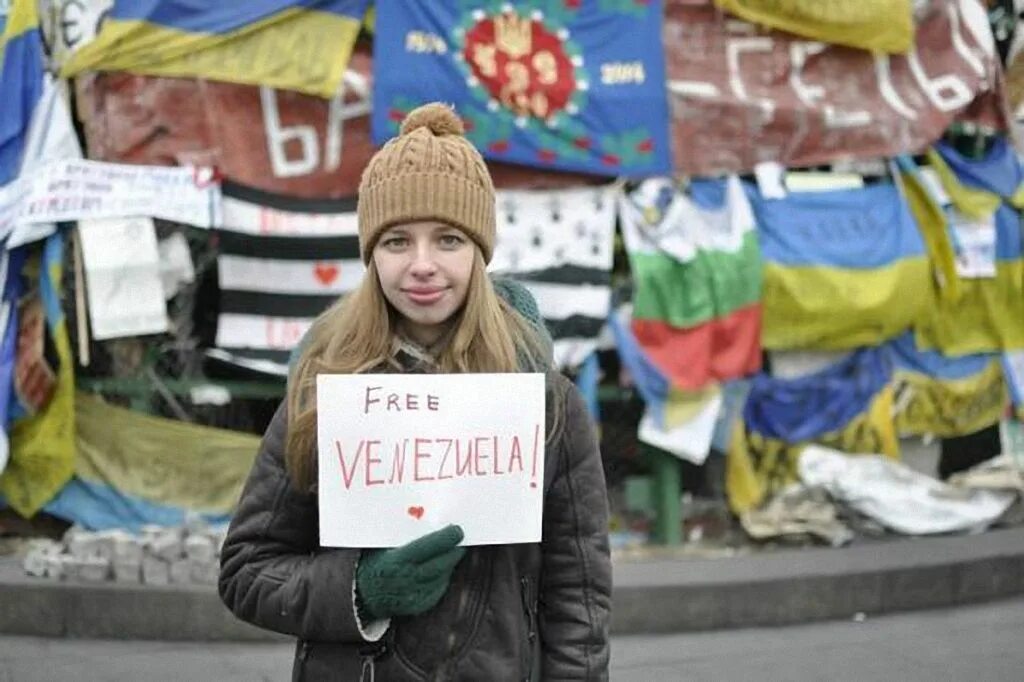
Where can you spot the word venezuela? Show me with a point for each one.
(408, 459)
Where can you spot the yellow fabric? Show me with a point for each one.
(976, 204)
(296, 49)
(988, 317)
(931, 221)
(758, 467)
(22, 16)
(161, 460)
(950, 407)
(43, 445)
(877, 25)
(826, 308)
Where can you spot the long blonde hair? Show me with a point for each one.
(355, 335)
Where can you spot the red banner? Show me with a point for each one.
(741, 95)
(278, 141)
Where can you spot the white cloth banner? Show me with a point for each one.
(403, 455)
(690, 440)
(122, 277)
(75, 189)
(898, 497)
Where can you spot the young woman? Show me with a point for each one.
(430, 609)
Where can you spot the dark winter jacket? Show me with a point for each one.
(512, 612)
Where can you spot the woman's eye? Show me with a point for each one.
(395, 242)
(451, 240)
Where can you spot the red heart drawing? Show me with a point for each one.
(415, 512)
(326, 272)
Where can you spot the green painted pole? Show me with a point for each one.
(667, 471)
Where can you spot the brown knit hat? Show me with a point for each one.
(429, 172)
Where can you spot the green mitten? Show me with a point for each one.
(407, 580)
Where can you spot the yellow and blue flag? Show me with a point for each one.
(846, 406)
(136, 469)
(988, 316)
(21, 81)
(43, 443)
(301, 45)
(945, 396)
(842, 268)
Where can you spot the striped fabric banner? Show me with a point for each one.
(559, 245)
(281, 262)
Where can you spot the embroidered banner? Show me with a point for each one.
(547, 83)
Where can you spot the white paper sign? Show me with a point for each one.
(402, 455)
(77, 189)
(122, 276)
(975, 246)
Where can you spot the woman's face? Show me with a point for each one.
(424, 269)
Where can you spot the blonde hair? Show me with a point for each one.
(355, 335)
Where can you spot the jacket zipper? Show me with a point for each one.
(531, 634)
(452, 638)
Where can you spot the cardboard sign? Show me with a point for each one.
(404, 455)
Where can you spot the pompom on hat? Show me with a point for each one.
(429, 172)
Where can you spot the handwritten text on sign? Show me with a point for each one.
(403, 455)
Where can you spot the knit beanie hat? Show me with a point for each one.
(429, 172)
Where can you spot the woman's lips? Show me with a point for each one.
(425, 296)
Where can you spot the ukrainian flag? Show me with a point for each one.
(988, 317)
(21, 82)
(847, 406)
(945, 396)
(301, 45)
(842, 268)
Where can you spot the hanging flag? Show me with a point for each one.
(696, 268)
(877, 25)
(281, 262)
(42, 416)
(21, 82)
(983, 198)
(569, 85)
(945, 396)
(742, 94)
(301, 45)
(559, 244)
(675, 420)
(135, 469)
(843, 268)
(847, 406)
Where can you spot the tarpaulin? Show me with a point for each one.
(899, 498)
(134, 469)
(21, 82)
(43, 440)
(696, 268)
(559, 245)
(574, 86)
(741, 95)
(945, 396)
(301, 45)
(277, 141)
(878, 25)
(843, 268)
(847, 406)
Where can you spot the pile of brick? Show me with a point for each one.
(158, 555)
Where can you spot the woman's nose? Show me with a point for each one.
(423, 262)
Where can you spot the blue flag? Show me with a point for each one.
(562, 85)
